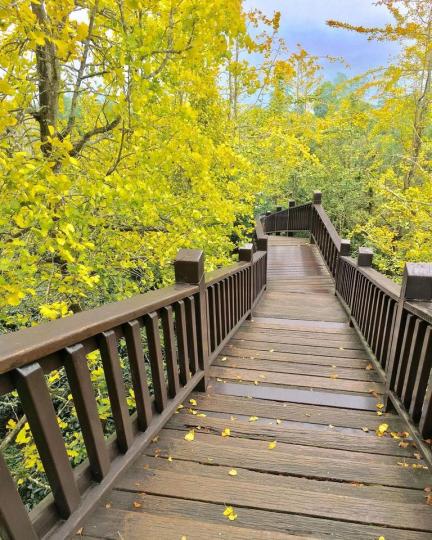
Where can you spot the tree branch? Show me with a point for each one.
(77, 147)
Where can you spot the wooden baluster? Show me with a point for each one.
(36, 400)
(422, 391)
(412, 364)
(132, 332)
(170, 351)
(364, 259)
(416, 286)
(219, 333)
(400, 368)
(83, 394)
(246, 255)
(156, 360)
(116, 389)
(192, 334)
(14, 520)
(213, 322)
(183, 352)
(189, 268)
(222, 306)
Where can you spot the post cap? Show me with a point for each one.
(365, 256)
(417, 282)
(189, 266)
(317, 197)
(262, 243)
(291, 203)
(246, 252)
(345, 248)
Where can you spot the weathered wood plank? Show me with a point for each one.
(296, 368)
(296, 412)
(293, 459)
(288, 379)
(276, 493)
(318, 436)
(150, 505)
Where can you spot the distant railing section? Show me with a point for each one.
(395, 321)
(168, 338)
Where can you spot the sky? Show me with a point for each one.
(304, 22)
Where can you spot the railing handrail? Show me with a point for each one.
(20, 348)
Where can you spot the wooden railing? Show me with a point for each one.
(182, 328)
(394, 321)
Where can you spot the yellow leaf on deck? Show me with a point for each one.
(190, 436)
(232, 472)
(201, 415)
(226, 432)
(272, 445)
(278, 421)
(380, 405)
(193, 402)
(382, 429)
(253, 418)
(229, 512)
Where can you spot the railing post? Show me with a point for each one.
(416, 286)
(246, 254)
(278, 209)
(291, 204)
(365, 256)
(316, 199)
(189, 268)
(364, 259)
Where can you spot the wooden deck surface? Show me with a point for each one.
(296, 374)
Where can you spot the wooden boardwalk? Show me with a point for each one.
(296, 374)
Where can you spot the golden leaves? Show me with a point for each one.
(230, 513)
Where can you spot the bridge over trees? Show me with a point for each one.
(287, 395)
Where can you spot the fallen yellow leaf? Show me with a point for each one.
(232, 472)
(278, 421)
(201, 415)
(382, 429)
(365, 429)
(379, 413)
(253, 418)
(230, 513)
(193, 402)
(190, 436)
(380, 405)
(272, 445)
(226, 432)
(170, 459)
